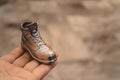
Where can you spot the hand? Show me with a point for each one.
(18, 65)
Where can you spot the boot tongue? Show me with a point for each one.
(33, 27)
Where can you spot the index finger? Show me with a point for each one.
(42, 70)
(13, 55)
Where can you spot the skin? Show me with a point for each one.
(18, 65)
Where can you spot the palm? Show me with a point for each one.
(13, 72)
(15, 66)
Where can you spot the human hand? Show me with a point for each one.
(18, 65)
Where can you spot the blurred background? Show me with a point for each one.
(86, 33)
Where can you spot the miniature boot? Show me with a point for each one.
(33, 43)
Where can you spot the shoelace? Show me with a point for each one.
(37, 39)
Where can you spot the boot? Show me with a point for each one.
(33, 43)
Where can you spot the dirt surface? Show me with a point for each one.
(86, 33)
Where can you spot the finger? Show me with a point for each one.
(31, 65)
(42, 70)
(13, 55)
(22, 60)
(56, 53)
